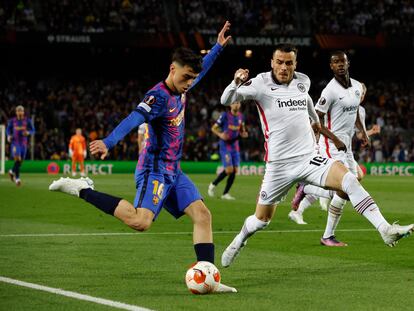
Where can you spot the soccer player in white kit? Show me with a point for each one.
(339, 106)
(309, 199)
(284, 106)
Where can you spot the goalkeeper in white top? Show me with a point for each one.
(284, 107)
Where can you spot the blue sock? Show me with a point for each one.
(204, 252)
(105, 202)
(16, 169)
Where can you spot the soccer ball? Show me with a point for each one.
(202, 278)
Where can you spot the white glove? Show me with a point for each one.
(70, 153)
(84, 153)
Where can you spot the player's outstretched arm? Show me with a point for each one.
(215, 51)
(101, 147)
(237, 91)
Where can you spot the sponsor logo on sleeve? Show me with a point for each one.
(357, 93)
(149, 100)
(322, 101)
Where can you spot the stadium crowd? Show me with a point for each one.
(264, 17)
(98, 105)
(259, 17)
(394, 17)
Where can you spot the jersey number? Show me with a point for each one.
(318, 161)
(158, 188)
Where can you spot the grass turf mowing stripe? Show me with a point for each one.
(58, 291)
(165, 233)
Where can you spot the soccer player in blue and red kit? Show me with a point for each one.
(18, 130)
(158, 177)
(229, 127)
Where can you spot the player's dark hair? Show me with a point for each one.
(286, 47)
(337, 53)
(185, 56)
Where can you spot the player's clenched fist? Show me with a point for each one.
(98, 147)
(241, 76)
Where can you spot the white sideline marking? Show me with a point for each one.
(165, 233)
(58, 291)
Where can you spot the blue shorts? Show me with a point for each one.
(173, 192)
(18, 150)
(230, 158)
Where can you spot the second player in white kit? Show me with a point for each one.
(340, 106)
(285, 107)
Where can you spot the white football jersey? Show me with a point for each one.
(284, 112)
(340, 106)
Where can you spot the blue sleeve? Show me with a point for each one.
(133, 120)
(9, 128)
(208, 61)
(30, 126)
(152, 106)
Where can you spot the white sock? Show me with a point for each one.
(362, 201)
(306, 203)
(334, 215)
(250, 226)
(318, 191)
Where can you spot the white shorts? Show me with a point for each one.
(280, 177)
(347, 158)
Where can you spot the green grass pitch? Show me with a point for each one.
(282, 268)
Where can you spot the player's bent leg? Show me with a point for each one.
(139, 219)
(340, 179)
(252, 224)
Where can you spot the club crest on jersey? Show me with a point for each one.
(357, 93)
(149, 100)
(301, 87)
(322, 101)
(263, 195)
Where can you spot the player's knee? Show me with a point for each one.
(265, 218)
(349, 182)
(229, 170)
(203, 216)
(140, 225)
